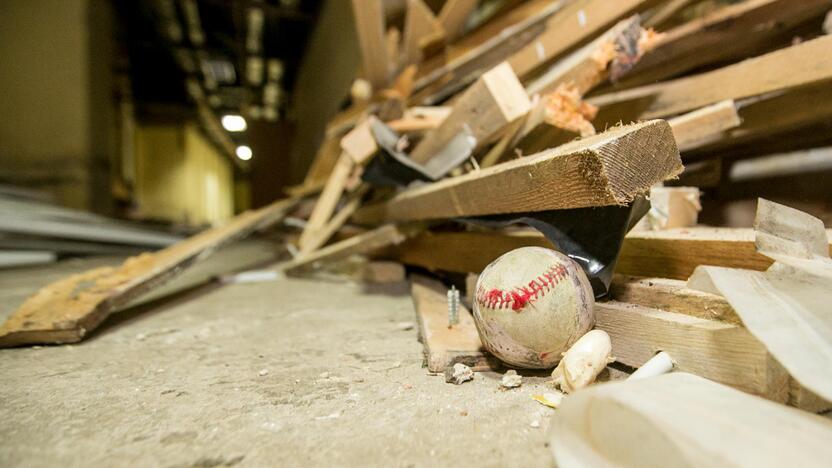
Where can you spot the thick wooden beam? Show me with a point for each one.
(672, 253)
(575, 24)
(606, 169)
(67, 310)
(485, 108)
(369, 23)
(803, 64)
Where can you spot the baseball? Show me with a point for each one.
(531, 305)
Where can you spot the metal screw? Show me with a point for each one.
(453, 306)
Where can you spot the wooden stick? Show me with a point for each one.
(419, 24)
(367, 242)
(328, 200)
(369, 23)
(321, 236)
(67, 310)
(606, 169)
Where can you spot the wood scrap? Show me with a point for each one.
(671, 207)
(697, 127)
(453, 16)
(420, 22)
(570, 176)
(326, 203)
(685, 420)
(786, 306)
(67, 310)
(446, 345)
(487, 107)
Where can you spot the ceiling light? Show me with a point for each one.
(234, 123)
(244, 152)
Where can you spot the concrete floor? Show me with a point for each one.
(288, 373)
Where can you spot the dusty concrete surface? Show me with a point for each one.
(284, 373)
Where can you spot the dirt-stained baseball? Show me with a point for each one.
(531, 305)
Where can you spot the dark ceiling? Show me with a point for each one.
(217, 44)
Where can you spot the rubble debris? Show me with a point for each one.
(511, 379)
(458, 374)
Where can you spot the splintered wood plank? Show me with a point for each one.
(750, 27)
(369, 24)
(606, 169)
(328, 200)
(575, 24)
(444, 345)
(703, 125)
(322, 235)
(367, 242)
(453, 16)
(485, 108)
(66, 310)
(802, 64)
(718, 351)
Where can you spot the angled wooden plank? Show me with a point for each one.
(575, 24)
(328, 199)
(369, 24)
(606, 169)
(718, 351)
(667, 10)
(750, 27)
(321, 236)
(420, 23)
(445, 345)
(65, 311)
(453, 16)
(486, 107)
(802, 64)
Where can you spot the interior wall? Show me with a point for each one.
(56, 131)
(180, 176)
(324, 79)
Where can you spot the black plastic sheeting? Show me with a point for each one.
(592, 237)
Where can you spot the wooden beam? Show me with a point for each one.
(576, 23)
(446, 345)
(453, 16)
(750, 27)
(485, 108)
(665, 11)
(369, 23)
(319, 237)
(419, 24)
(67, 310)
(718, 351)
(606, 169)
(672, 253)
(794, 66)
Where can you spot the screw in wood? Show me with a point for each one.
(453, 306)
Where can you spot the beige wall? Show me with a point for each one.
(56, 104)
(181, 177)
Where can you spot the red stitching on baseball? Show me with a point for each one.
(518, 298)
